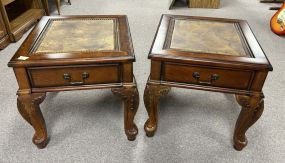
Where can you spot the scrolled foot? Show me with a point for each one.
(239, 145)
(40, 142)
(132, 133)
(149, 129)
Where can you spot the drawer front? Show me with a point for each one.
(74, 75)
(217, 77)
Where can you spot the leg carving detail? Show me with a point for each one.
(28, 106)
(252, 108)
(130, 95)
(152, 94)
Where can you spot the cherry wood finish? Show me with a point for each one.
(227, 76)
(38, 72)
(57, 2)
(20, 15)
(252, 108)
(53, 76)
(130, 96)
(241, 70)
(4, 37)
(152, 94)
(28, 106)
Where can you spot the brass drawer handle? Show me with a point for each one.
(197, 76)
(85, 75)
(215, 77)
(76, 83)
(66, 76)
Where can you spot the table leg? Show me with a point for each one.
(152, 94)
(45, 4)
(57, 2)
(130, 96)
(28, 106)
(252, 108)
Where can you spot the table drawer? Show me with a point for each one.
(214, 76)
(74, 75)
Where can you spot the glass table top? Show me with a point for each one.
(203, 36)
(78, 35)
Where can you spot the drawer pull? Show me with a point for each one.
(76, 83)
(67, 76)
(215, 77)
(197, 76)
(85, 75)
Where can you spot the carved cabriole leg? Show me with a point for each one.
(252, 108)
(130, 95)
(152, 94)
(28, 106)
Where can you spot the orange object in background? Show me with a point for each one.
(277, 22)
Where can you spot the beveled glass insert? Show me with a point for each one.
(78, 35)
(207, 37)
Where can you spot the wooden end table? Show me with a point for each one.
(211, 54)
(66, 53)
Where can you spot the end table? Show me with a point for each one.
(66, 53)
(210, 54)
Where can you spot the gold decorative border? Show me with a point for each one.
(49, 23)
